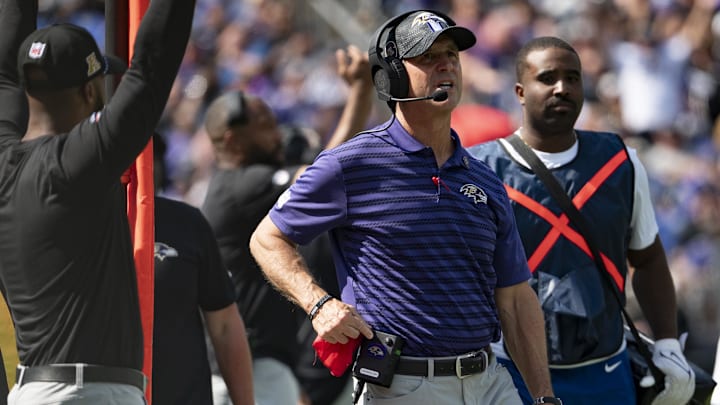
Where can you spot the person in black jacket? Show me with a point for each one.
(66, 258)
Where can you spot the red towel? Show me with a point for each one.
(336, 356)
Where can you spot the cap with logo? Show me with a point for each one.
(67, 54)
(418, 31)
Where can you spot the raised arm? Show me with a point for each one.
(17, 21)
(354, 67)
(697, 24)
(127, 122)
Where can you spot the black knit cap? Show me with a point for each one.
(68, 54)
(418, 31)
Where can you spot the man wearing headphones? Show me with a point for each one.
(424, 240)
(251, 175)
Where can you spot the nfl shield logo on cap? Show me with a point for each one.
(37, 49)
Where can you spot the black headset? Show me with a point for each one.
(237, 111)
(388, 72)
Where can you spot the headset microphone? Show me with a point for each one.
(438, 95)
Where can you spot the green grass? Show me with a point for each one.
(7, 342)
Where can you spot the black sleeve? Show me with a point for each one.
(17, 21)
(111, 140)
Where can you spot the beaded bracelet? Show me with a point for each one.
(316, 308)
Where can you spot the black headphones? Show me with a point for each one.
(237, 112)
(388, 72)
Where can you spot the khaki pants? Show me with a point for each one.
(493, 386)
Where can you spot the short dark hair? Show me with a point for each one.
(535, 44)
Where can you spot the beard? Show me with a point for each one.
(566, 117)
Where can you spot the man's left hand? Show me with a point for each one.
(679, 376)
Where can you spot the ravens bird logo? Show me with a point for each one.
(163, 251)
(476, 193)
(376, 351)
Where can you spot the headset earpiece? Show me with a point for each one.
(388, 72)
(237, 112)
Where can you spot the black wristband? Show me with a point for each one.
(316, 308)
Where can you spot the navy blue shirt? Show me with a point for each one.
(189, 277)
(419, 250)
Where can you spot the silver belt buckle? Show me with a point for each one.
(459, 359)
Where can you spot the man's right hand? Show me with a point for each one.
(337, 321)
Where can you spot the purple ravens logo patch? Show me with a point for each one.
(376, 350)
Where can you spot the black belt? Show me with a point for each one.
(80, 373)
(460, 366)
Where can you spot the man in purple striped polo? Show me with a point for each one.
(424, 239)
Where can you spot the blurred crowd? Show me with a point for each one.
(650, 71)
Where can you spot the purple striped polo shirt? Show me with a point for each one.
(419, 250)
